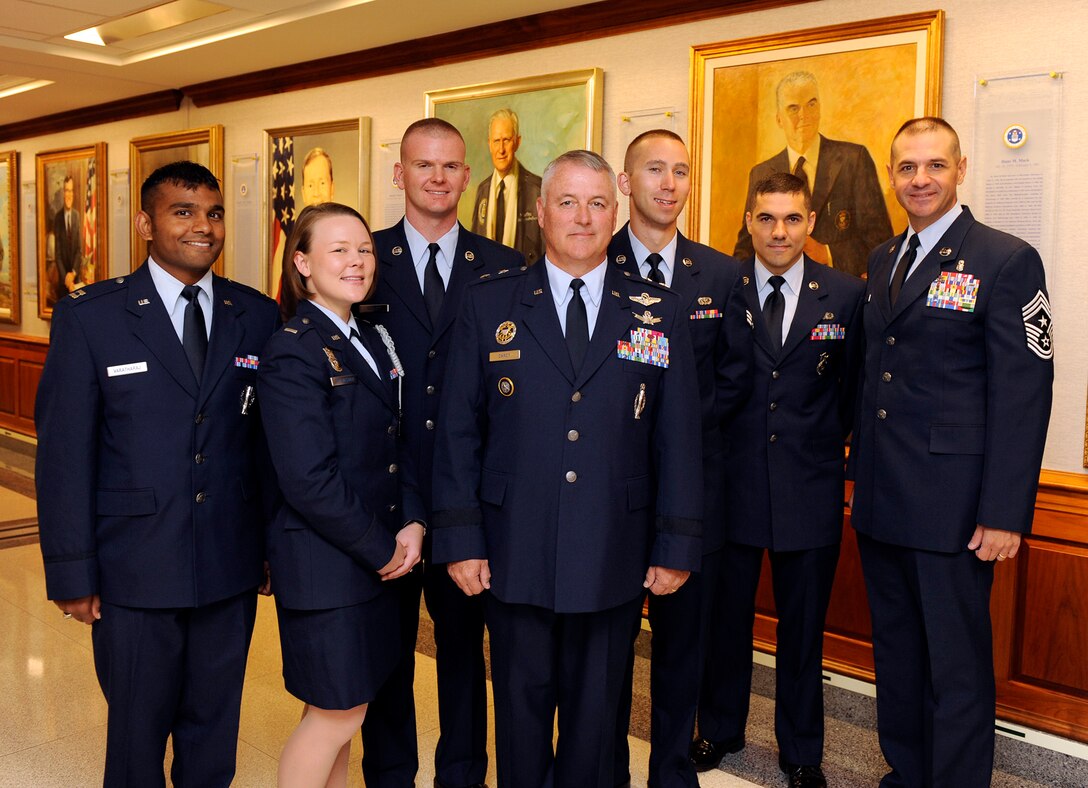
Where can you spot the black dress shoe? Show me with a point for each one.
(803, 776)
(706, 754)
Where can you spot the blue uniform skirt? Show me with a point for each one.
(339, 658)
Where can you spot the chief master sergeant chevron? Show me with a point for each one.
(149, 456)
(567, 476)
(948, 441)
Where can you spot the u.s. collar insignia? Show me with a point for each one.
(646, 318)
(506, 332)
(538, 291)
(829, 315)
(616, 293)
(687, 262)
(959, 266)
(143, 302)
(335, 337)
(813, 285)
(946, 251)
(621, 259)
(227, 302)
(332, 360)
(645, 299)
(744, 280)
(397, 251)
(705, 300)
(470, 256)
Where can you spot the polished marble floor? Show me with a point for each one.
(52, 716)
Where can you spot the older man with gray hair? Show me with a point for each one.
(567, 476)
(505, 209)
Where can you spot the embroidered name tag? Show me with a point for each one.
(828, 331)
(126, 369)
(646, 347)
(246, 362)
(705, 314)
(953, 290)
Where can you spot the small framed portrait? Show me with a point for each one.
(73, 240)
(512, 129)
(306, 165)
(822, 103)
(147, 154)
(10, 286)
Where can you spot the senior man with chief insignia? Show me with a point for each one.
(567, 476)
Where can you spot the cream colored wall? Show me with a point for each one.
(651, 69)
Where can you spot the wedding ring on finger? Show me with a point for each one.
(1001, 557)
(67, 615)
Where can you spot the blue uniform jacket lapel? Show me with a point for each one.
(154, 329)
(614, 316)
(685, 278)
(880, 277)
(918, 283)
(467, 265)
(543, 322)
(809, 307)
(400, 274)
(333, 339)
(751, 298)
(228, 331)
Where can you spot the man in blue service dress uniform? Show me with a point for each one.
(784, 485)
(424, 264)
(155, 536)
(567, 477)
(656, 177)
(948, 442)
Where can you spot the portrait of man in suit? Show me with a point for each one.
(67, 224)
(851, 216)
(505, 209)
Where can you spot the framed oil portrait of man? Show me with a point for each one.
(10, 288)
(146, 154)
(307, 165)
(73, 239)
(822, 103)
(512, 130)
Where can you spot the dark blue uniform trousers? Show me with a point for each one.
(173, 672)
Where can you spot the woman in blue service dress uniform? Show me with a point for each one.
(351, 517)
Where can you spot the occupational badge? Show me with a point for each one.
(705, 300)
(821, 364)
(646, 318)
(829, 315)
(640, 400)
(506, 386)
(506, 332)
(645, 299)
(959, 265)
(1039, 327)
(332, 360)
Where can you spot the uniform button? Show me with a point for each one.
(572, 435)
(572, 477)
(576, 396)
(199, 459)
(429, 424)
(886, 377)
(889, 341)
(393, 468)
(775, 375)
(432, 353)
(774, 438)
(392, 507)
(774, 406)
(201, 497)
(430, 389)
(391, 429)
(199, 418)
(882, 414)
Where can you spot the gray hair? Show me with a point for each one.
(794, 79)
(504, 114)
(580, 158)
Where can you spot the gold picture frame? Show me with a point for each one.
(73, 231)
(10, 280)
(330, 147)
(148, 153)
(556, 113)
(871, 77)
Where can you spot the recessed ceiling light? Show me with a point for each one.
(153, 20)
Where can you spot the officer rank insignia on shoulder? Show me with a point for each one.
(77, 293)
(1039, 326)
(646, 318)
(645, 299)
(953, 290)
(646, 347)
(332, 360)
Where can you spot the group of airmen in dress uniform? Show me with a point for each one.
(538, 450)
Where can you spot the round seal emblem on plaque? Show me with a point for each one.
(506, 332)
(1015, 136)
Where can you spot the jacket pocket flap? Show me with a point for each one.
(492, 487)
(638, 493)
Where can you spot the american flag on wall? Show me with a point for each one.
(283, 195)
(90, 225)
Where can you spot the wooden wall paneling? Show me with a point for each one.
(9, 395)
(21, 361)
